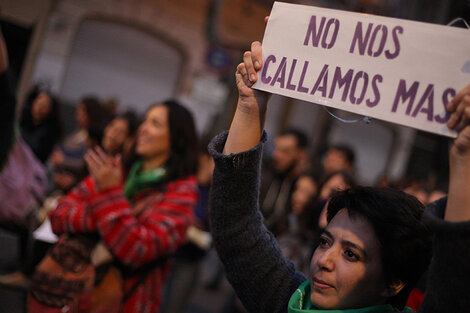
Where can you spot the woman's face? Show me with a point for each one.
(305, 189)
(41, 108)
(335, 160)
(346, 268)
(153, 137)
(115, 135)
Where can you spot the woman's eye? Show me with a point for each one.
(323, 242)
(351, 256)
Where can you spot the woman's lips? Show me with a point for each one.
(320, 284)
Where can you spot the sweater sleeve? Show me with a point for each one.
(73, 212)
(159, 230)
(447, 281)
(262, 278)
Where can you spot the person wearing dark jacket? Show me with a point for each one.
(40, 123)
(377, 241)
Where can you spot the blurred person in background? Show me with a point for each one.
(185, 270)
(142, 218)
(40, 123)
(118, 134)
(338, 157)
(296, 244)
(67, 160)
(278, 180)
(119, 137)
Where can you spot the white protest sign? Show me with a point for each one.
(396, 70)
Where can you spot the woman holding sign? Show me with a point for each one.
(377, 242)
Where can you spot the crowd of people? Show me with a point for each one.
(134, 200)
(129, 195)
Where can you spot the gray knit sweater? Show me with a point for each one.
(264, 280)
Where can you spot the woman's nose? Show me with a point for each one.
(326, 259)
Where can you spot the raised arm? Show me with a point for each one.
(263, 279)
(458, 203)
(248, 122)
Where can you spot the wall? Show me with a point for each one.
(112, 60)
(67, 64)
(185, 28)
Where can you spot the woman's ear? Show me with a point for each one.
(393, 288)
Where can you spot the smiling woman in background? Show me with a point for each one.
(145, 216)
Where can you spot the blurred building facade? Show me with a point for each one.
(143, 51)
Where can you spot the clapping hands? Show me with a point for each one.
(106, 170)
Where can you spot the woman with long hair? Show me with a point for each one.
(144, 216)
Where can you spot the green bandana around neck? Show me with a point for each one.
(300, 303)
(137, 180)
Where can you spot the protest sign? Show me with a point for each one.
(391, 69)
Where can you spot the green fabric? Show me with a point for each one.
(137, 180)
(300, 302)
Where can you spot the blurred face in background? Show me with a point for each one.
(41, 107)
(305, 189)
(153, 137)
(335, 160)
(286, 154)
(115, 136)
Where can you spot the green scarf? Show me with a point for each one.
(300, 303)
(137, 180)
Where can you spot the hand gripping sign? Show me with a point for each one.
(395, 70)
